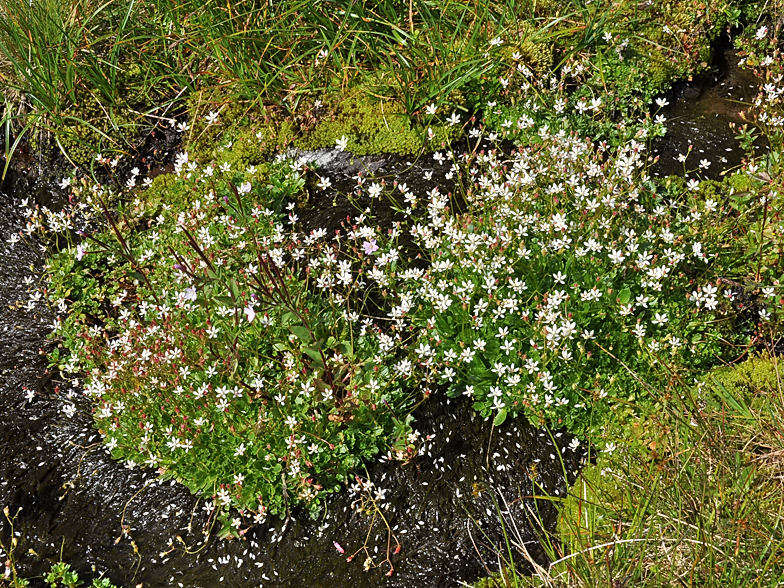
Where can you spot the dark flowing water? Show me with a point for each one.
(699, 114)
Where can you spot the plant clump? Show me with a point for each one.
(209, 350)
(259, 364)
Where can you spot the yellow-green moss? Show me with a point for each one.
(746, 380)
(370, 125)
(247, 135)
(536, 55)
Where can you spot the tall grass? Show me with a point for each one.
(58, 56)
(108, 65)
(694, 496)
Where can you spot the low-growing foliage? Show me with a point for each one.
(211, 354)
(259, 364)
(567, 282)
(697, 498)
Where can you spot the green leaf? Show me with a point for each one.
(500, 417)
(346, 348)
(301, 333)
(624, 295)
(480, 406)
(314, 354)
(455, 391)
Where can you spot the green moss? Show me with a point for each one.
(250, 136)
(741, 182)
(370, 125)
(756, 375)
(538, 56)
(244, 135)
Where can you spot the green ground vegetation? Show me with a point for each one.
(259, 365)
(690, 495)
(94, 77)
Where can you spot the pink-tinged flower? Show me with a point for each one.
(250, 313)
(81, 250)
(370, 246)
(338, 547)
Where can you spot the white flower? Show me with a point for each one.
(341, 143)
(324, 183)
(660, 319)
(250, 313)
(661, 102)
(454, 119)
(211, 118)
(762, 32)
(431, 110)
(424, 350)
